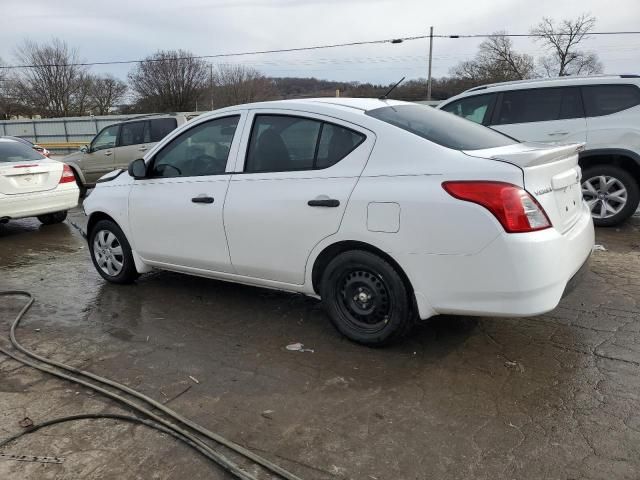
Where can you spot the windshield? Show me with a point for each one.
(18, 152)
(440, 127)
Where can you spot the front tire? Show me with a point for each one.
(611, 192)
(81, 187)
(111, 253)
(366, 298)
(53, 218)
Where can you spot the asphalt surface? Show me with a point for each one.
(555, 396)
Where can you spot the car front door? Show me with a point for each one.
(549, 115)
(131, 143)
(291, 190)
(99, 158)
(175, 214)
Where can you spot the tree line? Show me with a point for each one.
(58, 85)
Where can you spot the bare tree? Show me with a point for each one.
(236, 84)
(54, 84)
(105, 92)
(496, 61)
(562, 40)
(169, 81)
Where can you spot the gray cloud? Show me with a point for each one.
(123, 30)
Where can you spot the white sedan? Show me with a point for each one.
(32, 185)
(386, 210)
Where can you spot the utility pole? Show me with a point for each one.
(430, 57)
(211, 83)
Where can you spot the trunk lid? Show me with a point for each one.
(29, 176)
(551, 175)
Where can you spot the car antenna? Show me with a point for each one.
(384, 97)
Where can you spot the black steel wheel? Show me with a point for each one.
(366, 298)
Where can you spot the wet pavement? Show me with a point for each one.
(555, 396)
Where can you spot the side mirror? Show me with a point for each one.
(138, 169)
(85, 149)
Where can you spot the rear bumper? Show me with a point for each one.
(515, 275)
(63, 197)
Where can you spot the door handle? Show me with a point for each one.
(329, 202)
(108, 152)
(202, 199)
(142, 148)
(553, 134)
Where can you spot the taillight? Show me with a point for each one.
(67, 175)
(514, 208)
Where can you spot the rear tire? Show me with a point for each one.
(366, 298)
(53, 218)
(111, 253)
(599, 183)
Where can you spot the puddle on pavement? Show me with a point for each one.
(26, 242)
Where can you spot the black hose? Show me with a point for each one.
(114, 416)
(220, 459)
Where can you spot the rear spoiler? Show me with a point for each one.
(530, 155)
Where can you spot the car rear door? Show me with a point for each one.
(175, 215)
(290, 190)
(612, 111)
(549, 115)
(131, 143)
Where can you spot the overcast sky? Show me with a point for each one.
(133, 29)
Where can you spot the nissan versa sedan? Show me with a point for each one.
(32, 185)
(389, 212)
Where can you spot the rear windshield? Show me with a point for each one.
(18, 152)
(440, 127)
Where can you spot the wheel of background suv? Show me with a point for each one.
(51, 218)
(611, 193)
(366, 298)
(111, 253)
(81, 187)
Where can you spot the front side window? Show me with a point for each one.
(160, 128)
(105, 139)
(439, 127)
(131, 134)
(607, 99)
(201, 150)
(281, 143)
(473, 108)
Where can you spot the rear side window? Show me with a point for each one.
(607, 99)
(477, 108)
(160, 128)
(17, 152)
(440, 127)
(131, 134)
(538, 105)
(281, 143)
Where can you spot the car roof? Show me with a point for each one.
(546, 82)
(319, 105)
(10, 139)
(146, 117)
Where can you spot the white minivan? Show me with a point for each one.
(603, 112)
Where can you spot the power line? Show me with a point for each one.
(301, 49)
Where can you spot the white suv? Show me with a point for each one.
(601, 111)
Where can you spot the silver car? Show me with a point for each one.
(118, 145)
